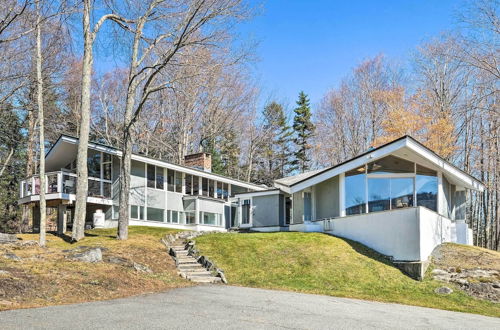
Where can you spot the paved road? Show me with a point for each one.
(227, 307)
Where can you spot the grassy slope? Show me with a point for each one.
(46, 277)
(322, 264)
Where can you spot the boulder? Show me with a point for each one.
(11, 256)
(8, 238)
(142, 268)
(438, 272)
(443, 290)
(118, 261)
(90, 255)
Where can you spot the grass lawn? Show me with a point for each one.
(44, 276)
(323, 264)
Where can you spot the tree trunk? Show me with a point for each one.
(39, 85)
(81, 169)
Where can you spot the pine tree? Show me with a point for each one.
(275, 154)
(11, 168)
(304, 130)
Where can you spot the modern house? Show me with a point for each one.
(400, 199)
(161, 193)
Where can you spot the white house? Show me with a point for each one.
(161, 193)
(400, 199)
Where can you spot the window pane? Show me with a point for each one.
(196, 185)
(159, 178)
(151, 176)
(178, 182)
(170, 180)
(219, 190)
(94, 188)
(169, 216)
(378, 194)
(52, 183)
(175, 218)
(211, 188)
(134, 212)
(107, 158)
(204, 186)
(427, 187)
(209, 218)
(107, 171)
(94, 163)
(190, 218)
(401, 192)
(391, 164)
(189, 184)
(225, 191)
(245, 212)
(141, 212)
(155, 214)
(355, 202)
(106, 186)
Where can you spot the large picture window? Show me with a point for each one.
(94, 164)
(390, 183)
(378, 194)
(355, 202)
(426, 188)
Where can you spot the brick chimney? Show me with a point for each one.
(201, 161)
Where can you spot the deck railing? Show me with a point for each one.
(65, 183)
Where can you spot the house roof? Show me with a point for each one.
(291, 180)
(65, 138)
(304, 180)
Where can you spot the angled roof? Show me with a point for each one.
(291, 180)
(407, 143)
(64, 138)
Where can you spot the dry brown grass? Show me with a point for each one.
(45, 276)
(465, 257)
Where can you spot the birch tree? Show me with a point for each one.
(89, 36)
(39, 83)
(195, 23)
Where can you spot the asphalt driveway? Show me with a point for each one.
(228, 307)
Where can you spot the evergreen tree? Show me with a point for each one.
(11, 168)
(229, 152)
(276, 153)
(304, 130)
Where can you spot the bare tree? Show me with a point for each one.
(196, 23)
(39, 80)
(89, 35)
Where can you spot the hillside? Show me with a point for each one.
(323, 264)
(31, 276)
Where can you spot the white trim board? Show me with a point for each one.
(467, 180)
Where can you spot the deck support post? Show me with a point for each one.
(62, 219)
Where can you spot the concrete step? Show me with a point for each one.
(181, 251)
(207, 279)
(189, 267)
(198, 274)
(187, 262)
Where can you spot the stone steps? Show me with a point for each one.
(190, 269)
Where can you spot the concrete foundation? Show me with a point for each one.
(414, 269)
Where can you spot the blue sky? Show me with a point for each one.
(311, 45)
